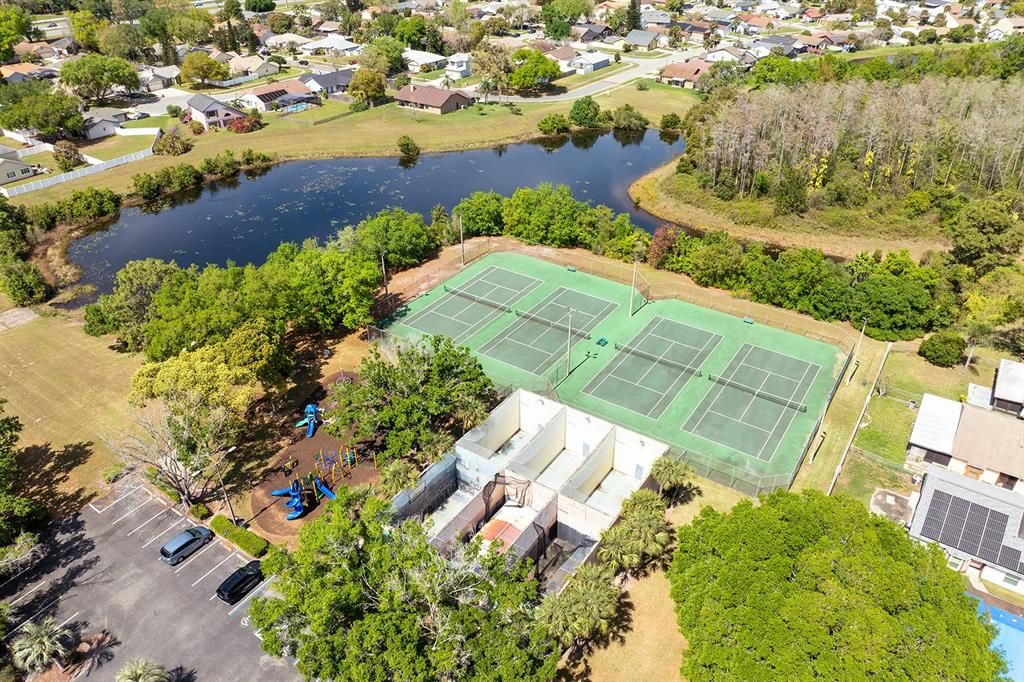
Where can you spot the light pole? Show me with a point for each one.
(632, 290)
(462, 240)
(224, 490)
(384, 272)
(568, 346)
(856, 350)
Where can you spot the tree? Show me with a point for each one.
(670, 121)
(584, 609)
(367, 86)
(411, 31)
(480, 214)
(155, 25)
(232, 9)
(260, 6)
(366, 598)
(23, 283)
(84, 29)
(810, 586)
(401, 238)
(199, 67)
(332, 10)
(791, 193)
(15, 24)
(125, 41)
(629, 119)
(671, 473)
(395, 477)
(125, 311)
(413, 408)
(142, 670)
(985, 235)
(40, 644)
(633, 19)
(641, 537)
(943, 349)
(17, 514)
(51, 115)
(384, 55)
(93, 77)
(585, 112)
(554, 124)
(67, 156)
(533, 70)
(408, 147)
(493, 62)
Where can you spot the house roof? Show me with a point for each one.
(688, 71)
(593, 58)
(971, 519)
(813, 13)
(638, 37)
(205, 103)
(329, 27)
(328, 80)
(1010, 382)
(563, 53)
(987, 439)
(421, 57)
(755, 20)
(25, 47)
(24, 69)
(62, 44)
(543, 46)
(292, 85)
(246, 64)
(936, 424)
(427, 95)
(331, 42)
(285, 38)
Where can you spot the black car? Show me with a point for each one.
(238, 584)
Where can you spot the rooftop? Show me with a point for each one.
(1010, 381)
(990, 440)
(936, 424)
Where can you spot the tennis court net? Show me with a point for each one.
(478, 299)
(791, 404)
(686, 369)
(578, 333)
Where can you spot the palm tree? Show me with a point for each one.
(643, 502)
(711, 41)
(671, 473)
(616, 551)
(142, 670)
(584, 609)
(39, 645)
(397, 476)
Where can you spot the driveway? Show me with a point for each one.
(101, 573)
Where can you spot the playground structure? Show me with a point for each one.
(306, 491)
(311, 420)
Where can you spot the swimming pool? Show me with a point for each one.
(300, 106)
(1009, 638)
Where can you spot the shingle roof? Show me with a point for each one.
(427, 95)
(205, 103)
(328, 80)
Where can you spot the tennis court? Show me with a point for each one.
(539, 337)
(752, 403)
(650, 370)
(462, 311)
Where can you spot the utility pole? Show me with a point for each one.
(568, 346)
(223, 490)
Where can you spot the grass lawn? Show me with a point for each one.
(115, 146)
(655, 102)
(908, 372)
(11, 143)
(1004, 593)
(889, 50)
(331, 107)
(161, 122)
(69, 390)
(5, 303)
(862, 476)
(428, 75)
(577, 80)
(652, 649)
(886, 430)
(468, 80)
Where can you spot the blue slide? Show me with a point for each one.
(324, 490)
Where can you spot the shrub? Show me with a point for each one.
(246, 540)
(642, 85)
(585, 112)
(917, 204)
(670, 122)
(791, 194)
(23, 283)
(358, 106)
(174, 111)
(401, 80)
(554, 124)
(408, 147)
(278, 59)
(146, 186)
(200, 511)
(943, 349)
(628, 118)
(762, 184)
(246, 124)
(67, 156)
(172, 143)
(196, 127)
(114, 472)
(254, 158)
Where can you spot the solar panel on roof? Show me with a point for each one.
(971, 528)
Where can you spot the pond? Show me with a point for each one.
(243, 220)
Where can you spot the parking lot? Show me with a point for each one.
(102, 573)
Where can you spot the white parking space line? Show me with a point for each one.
(259, 588)
(12, 603)
(194, 556)
(134, 509)
(100, 511)
(16, 575)
(163, 532)
(227, 558)
(143, 524)
(68, 620)
(32, 617)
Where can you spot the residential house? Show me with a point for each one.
(730, 53)
(684, 74)
(786, 46)
(655, 18)
(102, 122)
(212, 113)
(18, 73)
(588, 62)
(221, 56)
(329, 27)
(420, 61)
(813, 14)
(816, 42)
(542, 46)
(603, 9)
(722, 18)
(262, 33)
(588, 33)
(327, 83)
(979, 526)
(753, 24)
(152, 78)
(14, 169)
(783, 12)
(564, 56)
(1008, 388)
(333, 44)
(286, 41)
(979, 443)
(253, 65)
(432, 99)
(40, 50)
(641, 40)
(459, 66)
(268, 97)
(64, 47)
(7, 152)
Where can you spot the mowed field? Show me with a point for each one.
(69, 390)
(374, 133)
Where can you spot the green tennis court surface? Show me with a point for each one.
(742, 398)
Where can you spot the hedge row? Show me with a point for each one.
(246, 540)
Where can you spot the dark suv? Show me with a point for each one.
(184, 543)
(238, 584)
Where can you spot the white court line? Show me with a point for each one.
(127, 514)
(100, 511)
(196, 555)
(259, 588)
(69, 619)
(12, 603)
(783, 414)
(157, 536)
(32, 617)
(143, 524)
(229, 556)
